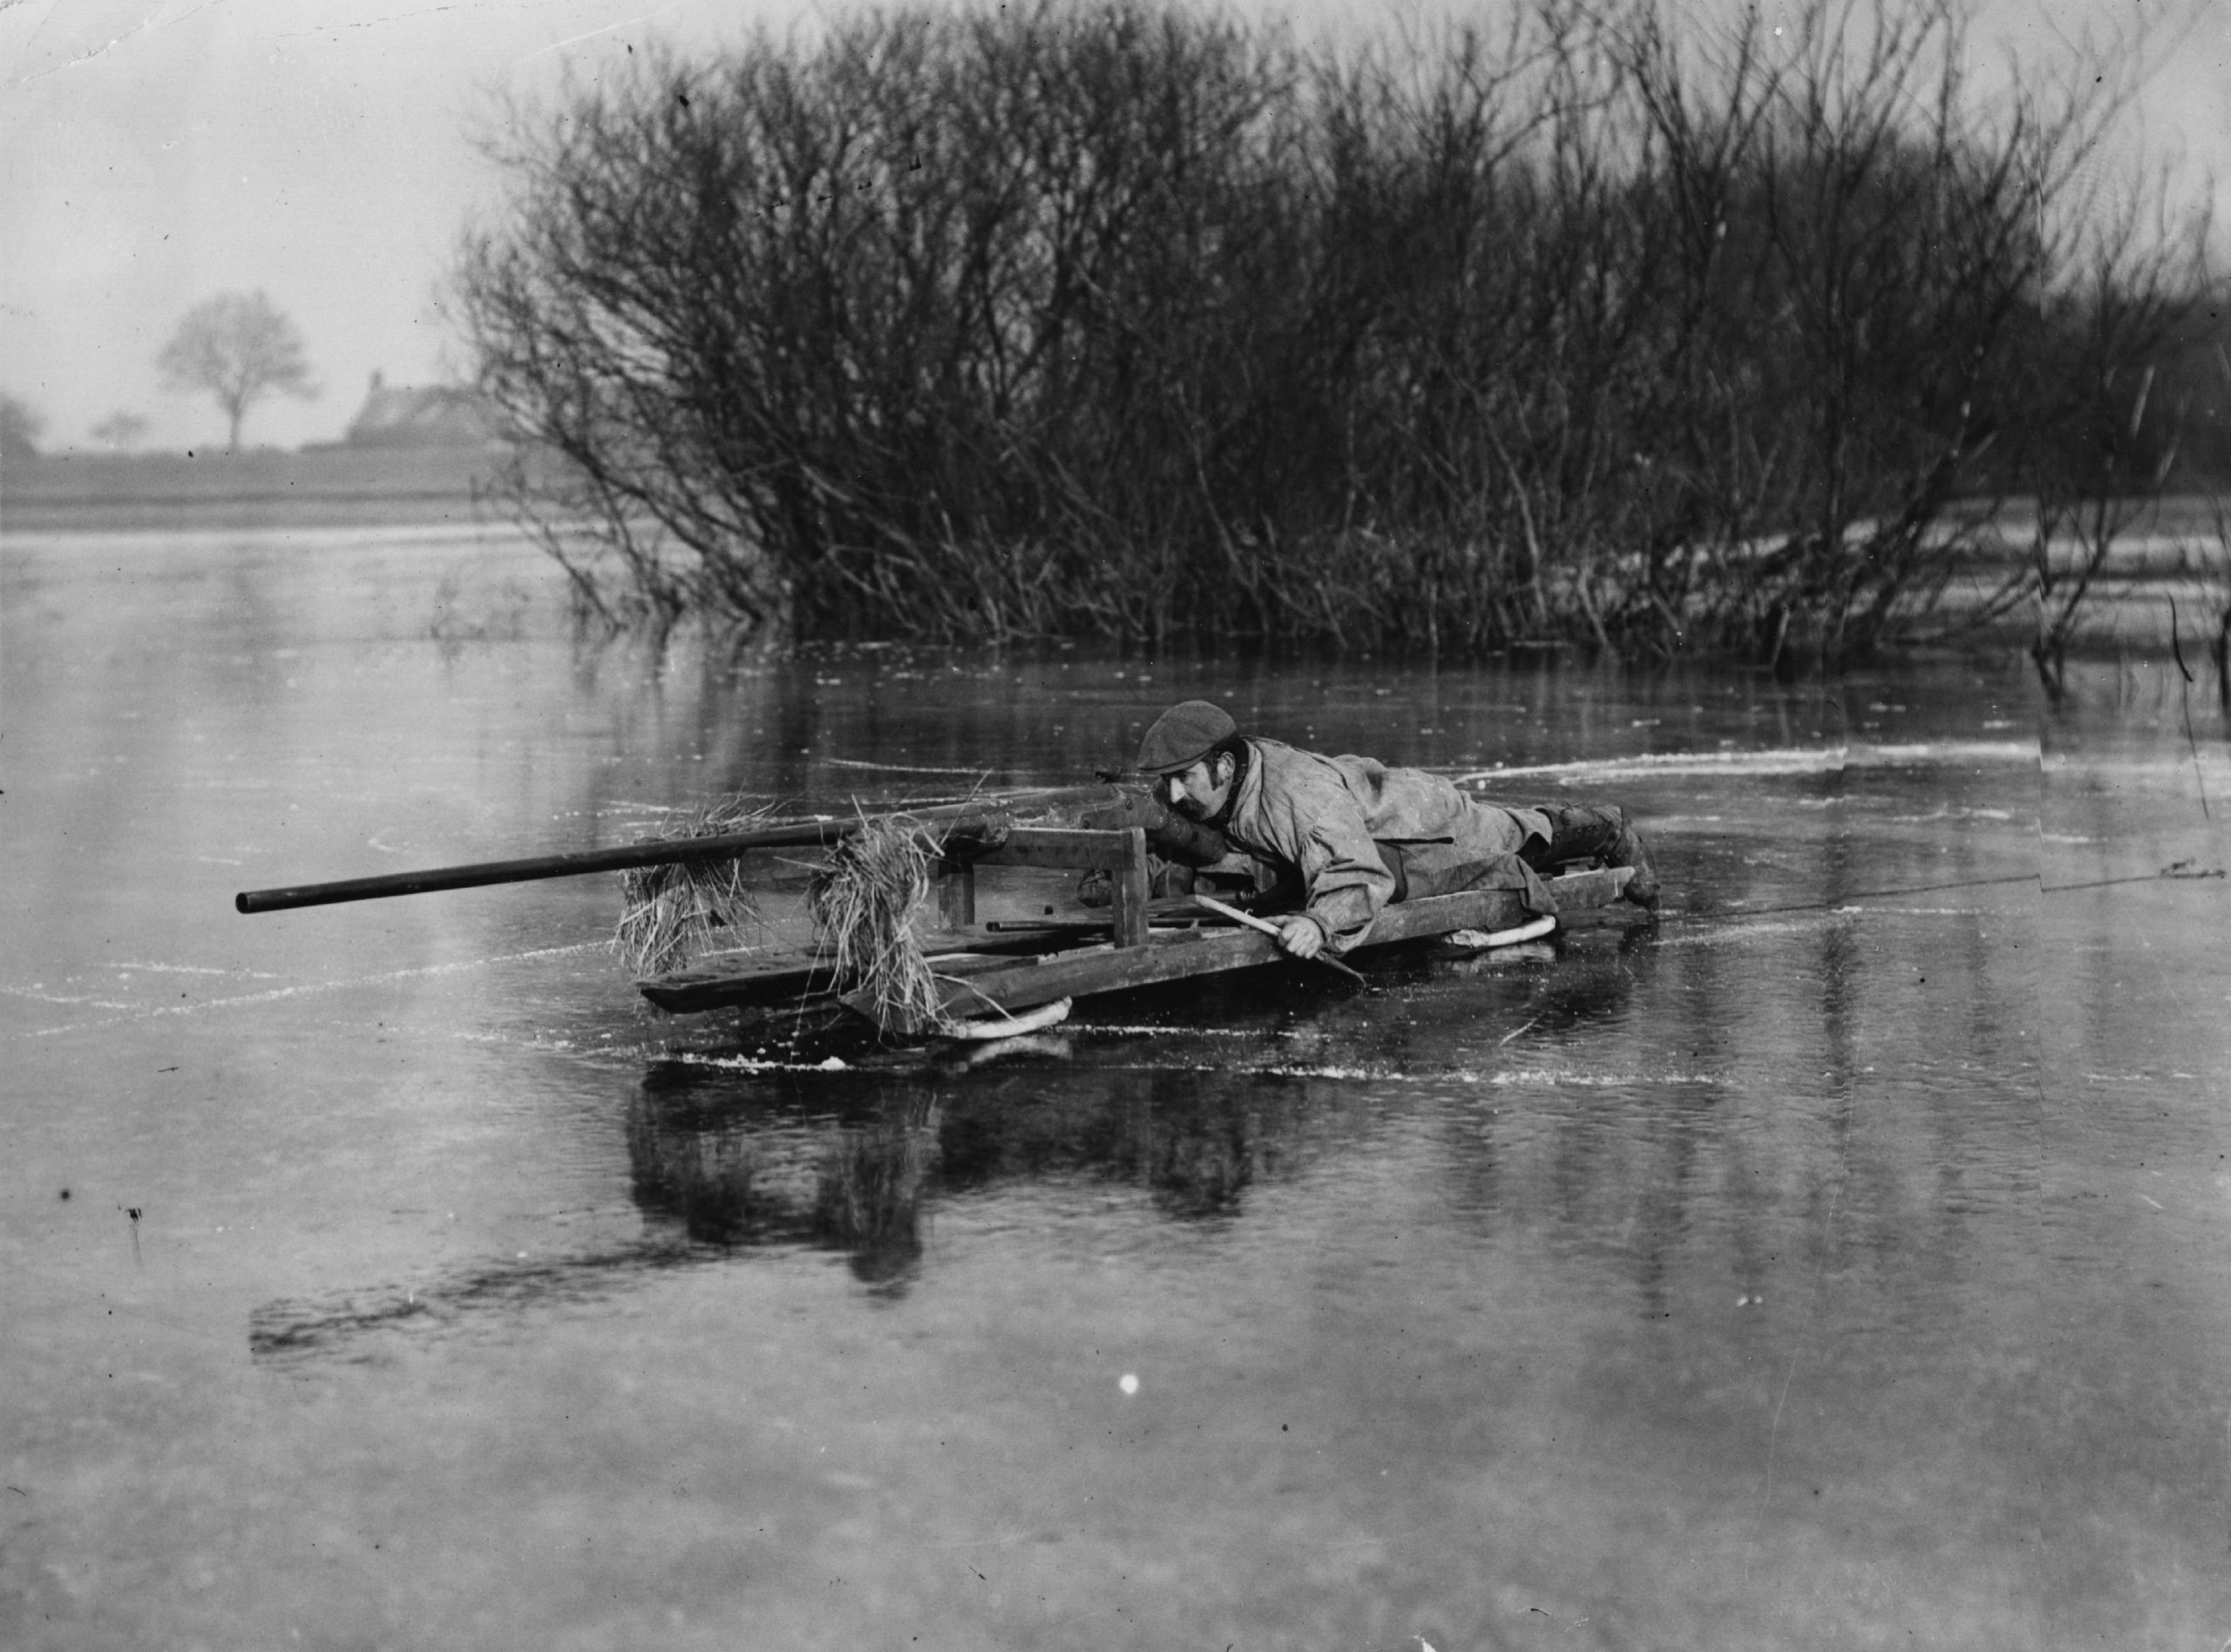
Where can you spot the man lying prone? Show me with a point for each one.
(1348, 836)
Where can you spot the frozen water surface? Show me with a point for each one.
(1848, 1265)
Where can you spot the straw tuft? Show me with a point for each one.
(864, 903)
(675, 912)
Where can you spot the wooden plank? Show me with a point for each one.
(956, 882)
(1166, 958)
(1576, 891)
(1131, 891)
(762, 978)
(1174, 956)
(966, 964)
(1430, 915)
(1064, 848)
(1586, 900)
(783, 975)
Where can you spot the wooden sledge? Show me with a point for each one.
(987, 970)
(1001, 969)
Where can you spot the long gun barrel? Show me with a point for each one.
(976, 817)
(575, 865)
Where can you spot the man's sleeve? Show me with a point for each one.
(1348, 883)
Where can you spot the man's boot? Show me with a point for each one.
(1595, 831)
(1627, 850)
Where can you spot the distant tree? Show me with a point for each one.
(19, 428)
(120, 431)
(240, 348)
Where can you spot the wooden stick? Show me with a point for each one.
(1255, 923)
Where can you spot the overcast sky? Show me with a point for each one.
(154, 152)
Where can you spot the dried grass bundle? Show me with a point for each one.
(671, 913)
(864, 904)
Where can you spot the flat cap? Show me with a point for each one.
(1183, 735)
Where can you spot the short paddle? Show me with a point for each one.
(1255, 923)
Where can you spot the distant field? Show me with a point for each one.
(333, 488)
(2170, 566)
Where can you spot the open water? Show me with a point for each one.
(1847, 1264)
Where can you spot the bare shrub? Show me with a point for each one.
(1133, 320)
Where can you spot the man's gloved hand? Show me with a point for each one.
(1300, 935)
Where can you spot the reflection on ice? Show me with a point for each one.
(733, 1177)
(734, 1164)
(363, 1325)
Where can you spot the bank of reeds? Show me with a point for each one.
(1138, 321)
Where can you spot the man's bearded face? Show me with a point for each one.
(1197, 792)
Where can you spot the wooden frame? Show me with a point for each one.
(1019, 968)
(1122, 854)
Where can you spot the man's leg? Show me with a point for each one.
(1594, 831)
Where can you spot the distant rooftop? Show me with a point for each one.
(423, 415)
